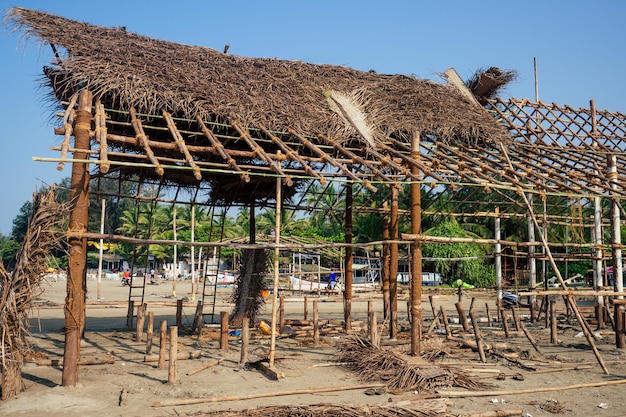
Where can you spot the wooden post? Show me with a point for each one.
(281, 314)
(77, 260)
(306, 307)
(553, 321)
(179, 313)
(462, 317)
(171, 374)
(471, 308)
(444, 318)
(516, 319)
(488, 315)
(245, 340)
(373, 327)
(316, 327)
(505, 322)
(197, 319)
(277, 231)
(162, 344)
(347, 292)
(530, 338)
(141, 320)
(224, 330)
(130, 314)
(416, 253)
(434, 311)
(150, 333)
(393, 267)
(479, 339)
(386, 262)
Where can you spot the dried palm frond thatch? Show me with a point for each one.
(247, 294)
(19, 288)
(323, 410)
(372, 363)
(488, 83)
(129, 70)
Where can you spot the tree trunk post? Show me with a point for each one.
(79, 218)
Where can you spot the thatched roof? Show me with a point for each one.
(130, 70)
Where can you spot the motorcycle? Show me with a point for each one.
(510, 300)
(125, 281)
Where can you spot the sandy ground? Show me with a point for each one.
(304, 366)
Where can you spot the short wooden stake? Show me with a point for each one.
(444, 318)
(505, 322)
(171, 374)
(131, 314)
(162, 344)
(306, 307)
(198, 321)
(488, 315)
(316, 320)
(281, 314)
(245, 340)
(472, 304)
(432, 308)
(477, 336)
(516, 319)
(373, 328)
(179, 313)
(223, 330)
(150, 332)
(553, 322)
(141, 319)
(462, 317)
(530, 338)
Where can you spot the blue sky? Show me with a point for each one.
(579, 47)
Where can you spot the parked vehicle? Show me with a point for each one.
(510, 300)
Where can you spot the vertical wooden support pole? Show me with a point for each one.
(130, 314)
(316, 323)
(471, 308)
(386, 261)
(487, 312)
(77, 260)
(150, 332)
(179, 313)
(306, 307)
(224, 330)
(620, 337)
(444, 318)
(171, 374)
(141, 321)
(498, 257)
(279, 202)
(462, 316)
(477, 336)
(416, 252)
(281, 314)
(245, 340)
(347, 293)
(162, 344)
(553, 322)
(393, 266)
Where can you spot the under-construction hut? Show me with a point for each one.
(186, 125)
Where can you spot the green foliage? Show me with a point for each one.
(472, 271)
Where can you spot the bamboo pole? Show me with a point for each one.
(416, 252)
(316, 327)
(347, 291)
(386, 262)
(191, 401)
(202, 367)
(393, 268)
(461, 394)
(279, 201)
(224, 330)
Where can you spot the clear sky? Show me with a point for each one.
(580, 48)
